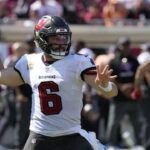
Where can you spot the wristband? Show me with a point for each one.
(106, 89)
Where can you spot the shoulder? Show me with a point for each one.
(33, 56)
(29, 57)
(101, 57)
(79, 57)
(87, 51)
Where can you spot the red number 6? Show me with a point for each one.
(50, 103)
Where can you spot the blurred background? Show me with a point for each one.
(114, 32)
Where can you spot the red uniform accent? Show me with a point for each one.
(41, 24)
(136, 94)
(91, 72)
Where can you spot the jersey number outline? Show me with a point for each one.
(50, 103)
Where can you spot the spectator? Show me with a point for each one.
(140, 11)
(103, 101)
(70, 11)
(114, 12)
(45, 7)
(82, 48)
(30, 42)
(142, 84)
(18, 49)
(104, 59)
(22, 9)
(15, 120)
(125, 65)
(2, 9)
(93, 14)
(145, 53)
(4, 50)
(143, 72)
(9, 7)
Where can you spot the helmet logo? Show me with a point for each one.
(41, 24)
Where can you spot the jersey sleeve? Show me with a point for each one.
(22, 69)
(86, 65)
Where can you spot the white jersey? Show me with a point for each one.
(57, 92)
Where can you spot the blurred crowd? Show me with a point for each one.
(123, 121)
(105, 12)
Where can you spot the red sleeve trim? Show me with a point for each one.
(88, 71)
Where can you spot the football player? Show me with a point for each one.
(56, 78)
(142, 72)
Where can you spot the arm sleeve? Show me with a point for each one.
(21, 67)
(86, 64)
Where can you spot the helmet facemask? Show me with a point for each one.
(58, 45)
(53, 36)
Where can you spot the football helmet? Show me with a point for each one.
(53, 36)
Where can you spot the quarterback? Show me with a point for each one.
(56, 78)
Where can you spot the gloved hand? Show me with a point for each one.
(136, 94)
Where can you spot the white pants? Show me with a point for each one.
(91, 138)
